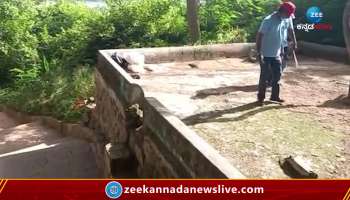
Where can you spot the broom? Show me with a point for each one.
(296, 63)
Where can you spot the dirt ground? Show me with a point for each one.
(216, 98)
(6, 121)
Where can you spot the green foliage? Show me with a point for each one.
(55, 93)
(235, 20)
(17, 42)
(65, 31)
(147, 23)
(42, 47)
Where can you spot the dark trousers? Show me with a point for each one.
(270, 66)
(284, 58)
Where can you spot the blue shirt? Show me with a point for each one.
(289, 21)
(273, 29)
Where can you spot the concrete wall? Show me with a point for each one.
(189, 53)
(323, 51)
(135, 126)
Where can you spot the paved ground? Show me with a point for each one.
(216, 98)
(34, 151)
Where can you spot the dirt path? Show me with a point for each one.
(6, 121)
(34, 151)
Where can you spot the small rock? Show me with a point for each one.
(296, 168)
(193, 66)
(135, 76)
(331, 168)
(91, 105)
(340, 148)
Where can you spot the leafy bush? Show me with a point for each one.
(223, 17)
(147, 23)
(65, 31)
(43, 53)
(18, 43)
(54, 93)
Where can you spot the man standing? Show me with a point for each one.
(288, 34)
(269, 43)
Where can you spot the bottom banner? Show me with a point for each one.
(174, 189)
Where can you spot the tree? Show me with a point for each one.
(193, 21)
(346, 28)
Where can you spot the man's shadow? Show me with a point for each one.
(341, 102)
(251, 108)
(201, 94)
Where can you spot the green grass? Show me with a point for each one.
(266, 134)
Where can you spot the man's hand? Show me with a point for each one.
(291, 35)
(259, 57)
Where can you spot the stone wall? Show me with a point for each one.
(323, 51)
(141, 129)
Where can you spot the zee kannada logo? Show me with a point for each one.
(314, 15)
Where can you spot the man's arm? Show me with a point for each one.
(259, 37)
(291, 34)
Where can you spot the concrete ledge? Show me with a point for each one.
(323, 51)
(119, 81)
(188, 53)
(181, 153)
(193, 156)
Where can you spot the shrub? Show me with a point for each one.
(54, 93)
(45, 49)
(147, 23)
(65, 30)
(224, 16)
(18, 43)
